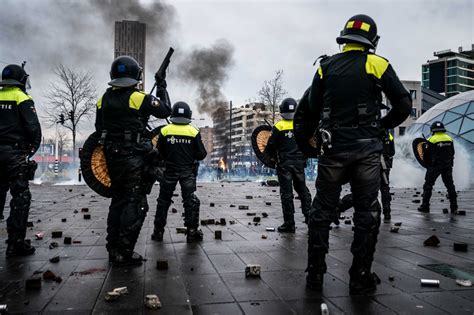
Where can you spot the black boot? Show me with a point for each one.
(157, 235)
(362, 281)
(19, 248)
(287, 227)
(316, 270)
(125, 258)
(193, 235)
(424, 208)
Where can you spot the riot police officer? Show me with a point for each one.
(20, 137)
(386, 165)
(122, 115)
(345, 99)
(440, 157)
(290, 166)
(180, 146)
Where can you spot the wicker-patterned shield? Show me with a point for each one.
(260, 137)
(419, 149)
(94, 166)
(305, 128)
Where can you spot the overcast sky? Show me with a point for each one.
(266, 36)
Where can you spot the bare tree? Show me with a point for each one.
(272, 92)
(73, 96)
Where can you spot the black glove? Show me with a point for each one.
(160, 82)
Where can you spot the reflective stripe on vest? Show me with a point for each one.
(14, 94)
(284, 124)
(179, 130)
(440, 137)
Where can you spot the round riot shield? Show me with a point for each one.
(305, 128)
(94, 166)
(260, 137)
(420, 146)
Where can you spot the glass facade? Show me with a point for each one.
(457, 115)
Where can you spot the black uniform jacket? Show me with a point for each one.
(346, 95)
(282, 144)
(180, 146)
(127, 109)
(19, 125)
(441, 150)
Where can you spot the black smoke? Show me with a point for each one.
(208, 68)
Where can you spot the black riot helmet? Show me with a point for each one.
(181, 113)
(360, 29)
(125, 72)
(288, 108)
(14, 75)
(437, 126)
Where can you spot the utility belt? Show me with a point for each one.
(325, 142)
(127, 138)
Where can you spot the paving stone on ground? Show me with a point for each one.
(208, 278)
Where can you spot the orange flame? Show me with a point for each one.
(222, 164)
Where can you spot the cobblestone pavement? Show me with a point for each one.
(208, 278)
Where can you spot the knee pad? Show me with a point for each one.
(21, 201)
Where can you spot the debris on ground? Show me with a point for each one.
(75, 211)
(29, 224)
(222, 221)
(461, 212)
(68, 240)
(53, 245)
(39, 235)
(49, 275)
(398, 224)
(152, 302)
(33, 283)
(252, 271)
(268, 203)
(218, 235)
(85, 210)
(464, 283)
(264, 236)
(376, 277)
(416, 201)
(264, 214)
(232, 206)
(270, 229)
(394, 229)
(433, 283)
(231, 222)
(445, 210)
(162, 264)
(241, 207)
(348, 222)
(433, 240)
(54, 260)
(324, 309)
(76, 242)
(87, 216)
(174, 210)
(256, 219)
(460, 247)
(111, 296)
(248, 197)
(391, 278)
(211, 204)
(56, 234)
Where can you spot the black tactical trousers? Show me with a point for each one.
(361, 168)
(385, 191)
(191, 203)
(432, 173)
(129, 205)
(290, 176)
(13, 168)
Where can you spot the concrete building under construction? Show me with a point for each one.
(130, 40)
